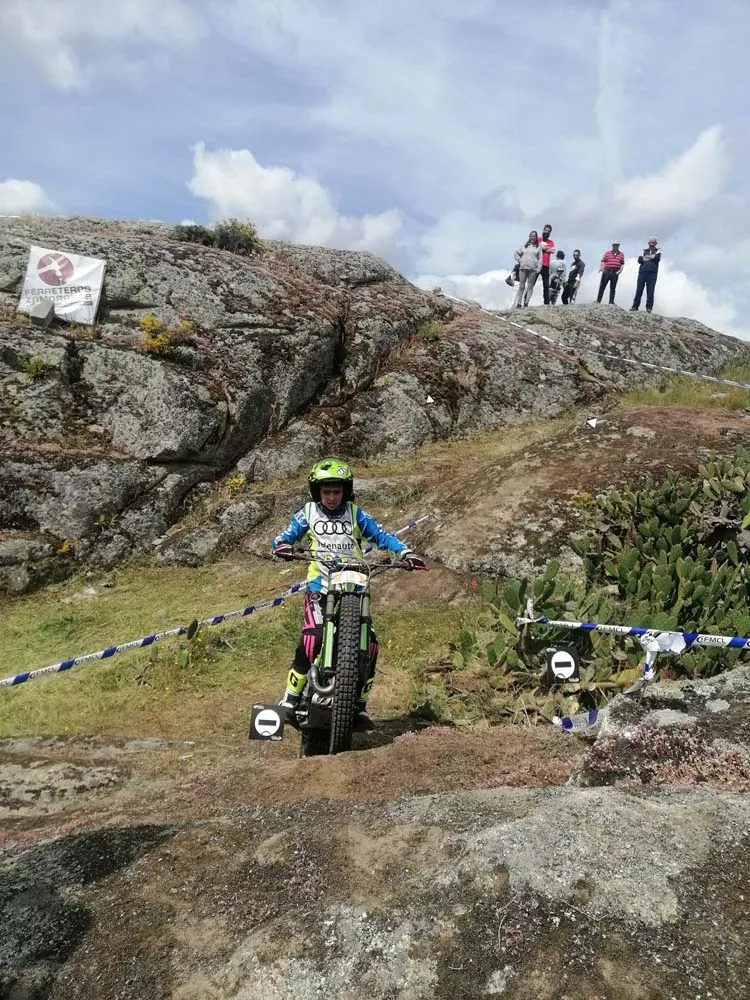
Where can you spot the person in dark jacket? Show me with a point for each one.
(647, 274)
(574, 279)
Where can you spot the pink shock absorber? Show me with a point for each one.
(308, 629)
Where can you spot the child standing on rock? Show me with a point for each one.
(557, 277)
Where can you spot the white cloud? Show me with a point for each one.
(676, 295)
(476, 124)
(20, 197)
(658, 202)
(488, 289)
(462, 242)
(424, 101)
(612, 52)
(681, 188)
(285, 205)
(55, 34)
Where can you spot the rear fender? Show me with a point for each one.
(318, 712)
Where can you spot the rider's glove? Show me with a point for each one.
(414, 561)
(284, 551)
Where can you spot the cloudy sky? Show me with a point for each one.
(435, 134)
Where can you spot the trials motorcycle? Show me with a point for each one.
(327, 710)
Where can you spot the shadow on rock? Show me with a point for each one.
(41, 926)
(388, 730)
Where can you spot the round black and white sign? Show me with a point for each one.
(266, 723)
(562, 665)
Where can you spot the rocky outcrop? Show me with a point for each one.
(334, 887)
(687, 732)
(102, 441)
(269, 361)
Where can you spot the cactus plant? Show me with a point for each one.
(665, 555)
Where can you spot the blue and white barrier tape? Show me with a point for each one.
(105, 654)
(654, 642)
(406, 527)
(149, 640)
(601, 354)
(572, 723)
(688, 638)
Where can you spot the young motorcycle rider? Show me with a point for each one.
(333, 525)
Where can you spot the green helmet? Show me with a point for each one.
(331, 470)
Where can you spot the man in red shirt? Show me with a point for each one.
(610, 268)
(547, 245)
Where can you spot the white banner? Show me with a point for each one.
(73, 283)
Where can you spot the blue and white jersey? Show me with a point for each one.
(337, 533)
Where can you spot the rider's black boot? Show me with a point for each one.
(289, 703)
(362, 721)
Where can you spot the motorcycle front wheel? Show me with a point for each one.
(347, 673)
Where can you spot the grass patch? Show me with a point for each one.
(682, 390)
(476, 449)
(136, 690)
(429, 461)
(147, 692)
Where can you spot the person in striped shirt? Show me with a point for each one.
(610, 269)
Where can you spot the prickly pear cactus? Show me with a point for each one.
(669, 555)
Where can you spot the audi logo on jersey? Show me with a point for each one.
(332, 528)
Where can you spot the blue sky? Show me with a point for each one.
(435, 135)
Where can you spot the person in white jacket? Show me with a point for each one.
(529, 259)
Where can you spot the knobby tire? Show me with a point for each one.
(347, 673)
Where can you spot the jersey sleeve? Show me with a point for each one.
(372, 531)
(295, 530)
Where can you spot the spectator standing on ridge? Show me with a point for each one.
(647, 274)
(557, 276)
(529, 259)
(574, 279)
(610, 269)
(547, 245)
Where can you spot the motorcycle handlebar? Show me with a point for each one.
(333, 562)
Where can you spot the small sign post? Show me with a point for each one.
(266, 723)
(562, 665)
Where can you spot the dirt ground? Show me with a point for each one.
(49, 788)
(187, 872)
(508, 511)
(520, 502)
